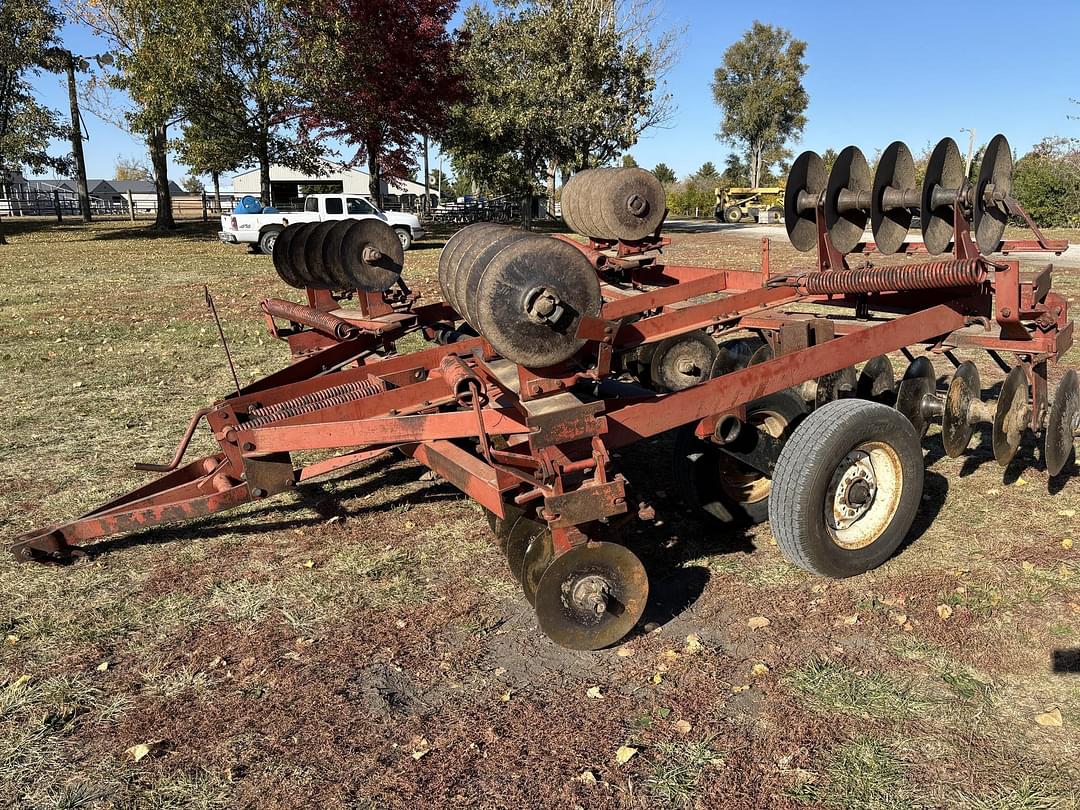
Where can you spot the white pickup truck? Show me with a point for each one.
(262, 230)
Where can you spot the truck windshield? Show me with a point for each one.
(358, 205)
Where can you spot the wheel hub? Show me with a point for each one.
(854, 487)
(590, 594)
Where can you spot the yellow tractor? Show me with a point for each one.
(736, 204)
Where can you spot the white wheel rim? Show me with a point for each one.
(863, 495)
(402, 238)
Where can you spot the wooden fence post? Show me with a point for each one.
(131, 206)
(56, 205)
(204, 217)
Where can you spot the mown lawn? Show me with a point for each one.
(360, 643)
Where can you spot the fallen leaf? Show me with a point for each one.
(624, 754)
(993, 492)
(11, 639)
(19, 683)
(624, 651)
(899, 618)
(693, 643)
(587, 777)
(422, 752)
(103, 666)
(849, 620)
(309, 563)
(657, 678)
(1051, 717)
(758, 670)
(1067, 543)
(1067, 512)
(139, 751)
(742, 688)
(944, 612)
(1020, 482)
(409, 525)
(683, 726)
(757, 622)
(594, 693)
(505, 698)
(669, 655)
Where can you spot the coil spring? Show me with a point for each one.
(317, 400)
(928, 276)
(322, 321)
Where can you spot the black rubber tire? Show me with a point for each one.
(699, 465)
(405, 236)
(804, 473)
(267, 239)
(733, 214)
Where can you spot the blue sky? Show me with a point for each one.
(915, 71)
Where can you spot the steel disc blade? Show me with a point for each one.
(761, 355)
(944, 171)
(514, 277)
(313, 254)
(896, 171)
(632, 203)
(282, 262)
(331, 254)
(918, 382)
(877, 381)
(807, 174)
(371, 256)
(835, 386)
(683, 360)
(297, 249)
(446, 257)
(472, 262)
(1010, 418)
(1061, 425)
(501, 526)
(956, 427)
(538, 557)
(517, 542)
(851, 174)
(568, 204)
(564, 610)
(996, 173)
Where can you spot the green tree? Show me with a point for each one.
(551, 83)
(127, 168)
(1046, 181)
(828, 157)
(207, 150)
(628, 161)
(707, 172)
(193, 185)
(27, 33)
(664, 174)
(736, 172)
(759, 88)
(152, 42)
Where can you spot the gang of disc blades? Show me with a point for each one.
(896, 171)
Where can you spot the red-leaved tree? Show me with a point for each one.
(374, 74)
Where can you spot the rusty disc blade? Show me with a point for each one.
(877, 382)
(577, 582)
(526, 270)
(956, 427)
(587, 200)
(282, 262)
(1010, 417)
(995, 174)
(836, 385)
(944, 172)
(807, 175)
(569, 203)
(481, 247)
(632, 203)
(331, 254)
(371, 256)
(451, 261)
(517, 542)
(895, 173)
(918, 383)
(682, 360)
(1058, 442)
(538, 557)
(850, 175)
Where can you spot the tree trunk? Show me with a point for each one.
(757, 153)
(157, 142)
(552, 169)
(374, 174)
(216, 177)
(264, 174)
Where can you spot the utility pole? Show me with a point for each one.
(427, 178)
(77, 138)
(971, 150)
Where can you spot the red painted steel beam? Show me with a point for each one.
(363, 432)
(465, 471)
(676, 293)
(723, 394)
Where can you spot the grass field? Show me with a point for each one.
(360, 643)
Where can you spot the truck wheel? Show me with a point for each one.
(846, 489)
(267, 239)
(405, 235)
(733, 214)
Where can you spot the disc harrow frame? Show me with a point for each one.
(536, 444)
